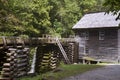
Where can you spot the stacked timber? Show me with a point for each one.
(9, 67)
(22, 62)
(2, 61)
(54, 61)
(46, 58)
(44, 67)
(71, 50)
(14, 62)
(39, 57)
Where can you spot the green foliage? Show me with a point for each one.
(6, 34)
(34, 15)
(113, 6)
(37, 17)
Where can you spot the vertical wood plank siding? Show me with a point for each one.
(119, 45)
(106, 49)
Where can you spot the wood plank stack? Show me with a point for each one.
(47, 58)
(72, 51)
(39, 57)
(22, 62)
(54, 60)
(15, 63)
(9, 67)
(44, 66)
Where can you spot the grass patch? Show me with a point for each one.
(64, 71)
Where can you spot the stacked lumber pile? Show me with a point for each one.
(15, 63)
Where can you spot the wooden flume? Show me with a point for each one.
(15, 53)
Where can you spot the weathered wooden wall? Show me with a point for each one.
(106, 49)
(118, 45)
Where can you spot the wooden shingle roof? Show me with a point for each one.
(97, 20)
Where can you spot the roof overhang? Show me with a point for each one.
(97, 20)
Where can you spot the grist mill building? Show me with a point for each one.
(99, 36)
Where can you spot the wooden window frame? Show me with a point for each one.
(85, 35)
(101, 35)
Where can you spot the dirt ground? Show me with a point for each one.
(109, 72)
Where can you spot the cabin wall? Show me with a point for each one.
(118, 45)
(106, 49)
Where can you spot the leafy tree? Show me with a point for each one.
(8, 22)
(113, 6)
(63, 15)
(34, 15)
(37, 17)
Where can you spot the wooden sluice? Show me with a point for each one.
(15, 51)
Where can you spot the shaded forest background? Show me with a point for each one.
(56, 17)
